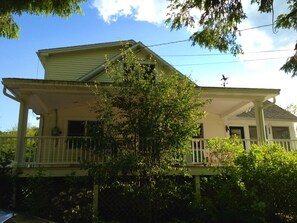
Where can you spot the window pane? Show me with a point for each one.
(280, 132)
(237, 131)
(76, 128)
(253, 132)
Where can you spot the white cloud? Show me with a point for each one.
(152, 11)
(255, 39)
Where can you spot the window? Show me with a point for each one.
(76, 128)
(280, 132)
(238, 132)
(82, 128)
(79, 130)
(253, 132)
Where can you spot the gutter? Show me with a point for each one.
(9, 95)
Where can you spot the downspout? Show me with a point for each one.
(9, 95)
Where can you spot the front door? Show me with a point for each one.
(237, 131)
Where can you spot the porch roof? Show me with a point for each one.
(227, 102)
(45, 95)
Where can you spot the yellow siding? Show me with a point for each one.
(73, 65)
(213, 126)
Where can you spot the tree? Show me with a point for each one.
(10, 8)
(292, 108)
(146, 119)
(8, 142)
(219, 20)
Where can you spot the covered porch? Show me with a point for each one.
(57, 102)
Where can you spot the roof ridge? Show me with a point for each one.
(87, 46)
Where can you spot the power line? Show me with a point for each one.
(226, 62)
(186, 40)
(220, 54)
(256, 27)
(168, 43)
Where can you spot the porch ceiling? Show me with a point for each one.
(42, 103)
(45, 95)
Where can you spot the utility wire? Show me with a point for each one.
(225, 62)
(186, 40)
(168, 43)
(220, 54)
(256, 27)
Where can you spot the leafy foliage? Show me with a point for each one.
(73, 204)
(152, 113)
(217, 23)
(67, 199)
(10, 8)
(6, 179)
(292, 108)
(8, 143)
(225, 151)
(147, 119)
(259, 187)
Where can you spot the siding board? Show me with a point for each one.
(73, 65)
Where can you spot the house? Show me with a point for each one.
(61, 100)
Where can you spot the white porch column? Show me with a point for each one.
(260, 124)
(21, 132)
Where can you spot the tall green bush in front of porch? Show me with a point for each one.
(146, 121)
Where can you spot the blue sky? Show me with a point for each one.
(111, 20)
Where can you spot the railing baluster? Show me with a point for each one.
(63, 150)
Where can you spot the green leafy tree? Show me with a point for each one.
(218, 23)
(147, 118)
(8, 143)
(292, 108)
(10, 8)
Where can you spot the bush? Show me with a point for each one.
(259, 186)
(7, 180)
(73, 205)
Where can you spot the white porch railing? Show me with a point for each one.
(54, 150)
(65, 151)
(202, 154)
